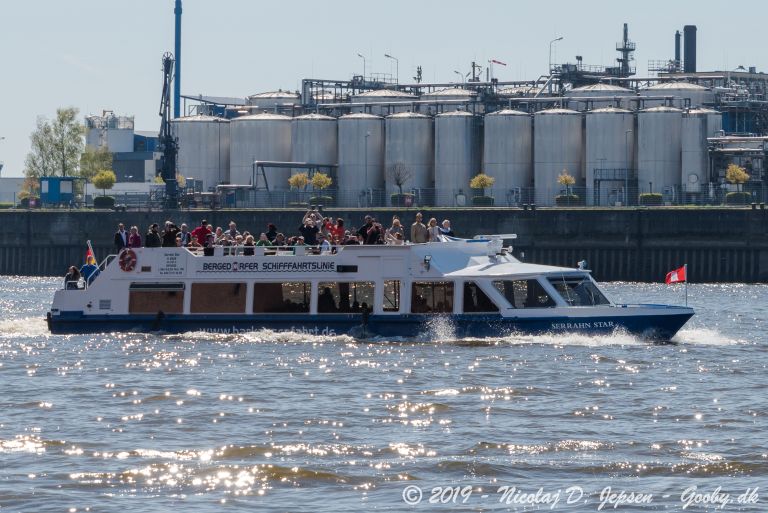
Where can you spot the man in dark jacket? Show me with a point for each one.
(121, 238)
(169, 235)
(152, 239)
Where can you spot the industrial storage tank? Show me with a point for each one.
(274, 100)
(457, 155)
(448, 99)
(508, 154)
(314, 139)
(110, 131)
(203, 149)
(659, 151)
(527, 91)
(383, 96)
(697, 126)
(558, 146)
(698, 95)
(260, 137)
(361, 159)
(615, 96)
(409, 150)
(610, 147)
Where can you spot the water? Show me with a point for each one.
(288, 422)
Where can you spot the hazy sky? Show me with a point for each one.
(106, 54)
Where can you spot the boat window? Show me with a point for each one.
(432, 296)
(218, 298)
(344, 297)
(391, 295)
(524, 293)
(148, 299)
(578, 291)
(475, 300)
(286, 297)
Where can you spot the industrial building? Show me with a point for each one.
(620, 136)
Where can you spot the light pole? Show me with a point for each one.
(629, 166)
(461, 76)
(362, 57)
(1, 162)
(550, 52)
(397, 66)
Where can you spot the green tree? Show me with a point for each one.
(104, 180)
(94, 160)
(56, 146)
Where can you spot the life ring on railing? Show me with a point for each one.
(127, 260)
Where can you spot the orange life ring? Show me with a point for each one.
(127, 260)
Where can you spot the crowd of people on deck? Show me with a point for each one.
(315, 230)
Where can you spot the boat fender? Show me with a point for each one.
(128, 260)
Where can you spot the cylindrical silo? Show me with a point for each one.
(697, 126)
(260, 137)
(508, 154)
(409, 154)
(613, 96)
(558, 146)
(659, 151)
(274, 100)
(203, 149)
(383, 102)
(448, 99)
(679, 92)
(361, 159)
(314, 140)
(457, 154)
(610, 148)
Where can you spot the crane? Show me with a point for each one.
(168, 144)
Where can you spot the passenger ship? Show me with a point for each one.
(475, 286)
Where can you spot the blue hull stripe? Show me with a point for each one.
(408, 325)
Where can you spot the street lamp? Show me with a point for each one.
(362, 57)
(461, 76)
(397, 66)
(550, 51)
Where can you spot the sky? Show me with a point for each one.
(106, 54)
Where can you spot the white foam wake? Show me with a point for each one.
(704, 337)
(24, 327)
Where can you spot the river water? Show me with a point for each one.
(290, 422)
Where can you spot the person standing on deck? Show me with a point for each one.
(419, 233)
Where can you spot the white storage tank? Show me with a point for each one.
(659, 151)
(508, 154)
(558, 146)
(203, 149)
(274, 100)
(110, 131)
(403, 100)
(698, 95)
(260, 137)
(610, 145)
(527, 91)
(697, 126)
(457, 155)
(410, 146)
(616, 96)
(314, 139)
(361, 158)
(448, 99)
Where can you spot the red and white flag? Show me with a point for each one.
(498, 62)
(676, 276)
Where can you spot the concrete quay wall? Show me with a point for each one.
(718, 244)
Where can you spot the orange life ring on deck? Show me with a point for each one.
(127, 260)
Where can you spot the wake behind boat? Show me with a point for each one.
(474, 284)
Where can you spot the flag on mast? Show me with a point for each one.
(676, 276)
(90, 258)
